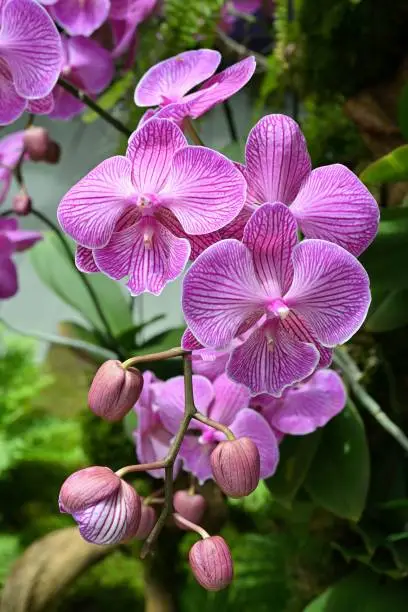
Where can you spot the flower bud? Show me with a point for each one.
(192, 507)
(106, 508)
(22, 203)
(36, 142)
(147, 521)
(114, 390)
(211, 563)
(236, 466)
(53, 153)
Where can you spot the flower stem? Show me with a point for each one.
(214, 424)
(92, 294)
(230, 121)
(141, 467)
(83, 97)
(189, 411)
(192, 132)
(192, 526)
(174, 352)
(352, 375)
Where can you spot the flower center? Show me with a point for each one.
(147, 201)
(277, 309)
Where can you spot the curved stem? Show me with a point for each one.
(92, 294)
(230, 121)
(214, 424)
(7, 213)
(83, 97)
(141, 467)
(192, 132)
(192, 526)
(174, 352)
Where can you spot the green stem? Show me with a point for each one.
(192, 132)
(214, 424)
(83, 97)
(174, 352)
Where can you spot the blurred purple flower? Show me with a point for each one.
(80, 17)
(226, 402)
(330, 202)
(88, 66)
(128, 210)
(151, 438)
(245, 7)
(305, 407)
(12, 240)
(30, 58)
(167, 84)
(299, 299)
(11, 149)
(124, 17)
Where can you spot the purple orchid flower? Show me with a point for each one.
(12, 240)
(30, 58)
(86, 65)
(230, 8)
(330, 202)
(124, 17)
(11, 150)
(225, 402)
(299, 299)
(305, 407)
(127, 209)
(80, 17)
(151, 438)
(167, 84)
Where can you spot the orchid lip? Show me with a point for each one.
(277, 308)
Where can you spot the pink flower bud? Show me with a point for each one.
(53, 153)
(114, 390)
(192, 507)
(236, 466)
(147, 521)
(106, 508)
(211, 563)
(36, 142)
(22, 203)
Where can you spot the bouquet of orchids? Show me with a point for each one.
(274, 284)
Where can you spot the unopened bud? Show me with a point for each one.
(114, 390)
(53, 153)
(236, 466)
(211, 563)
(36, 142)
(192, 507)
(22, 204)
(147, 521)
(106, 508)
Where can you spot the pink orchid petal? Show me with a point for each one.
(31, 45)
(11, 148)
(90, 63)
(266, 366)
(204, 190)
(277, 161)
(8, 278)
(147, 253)
(124, 36)
(170, 80)
(138, 10)
(311, 405)
(80, 17)
(296, 327)
(190, 342)
(12, 105)
(84, 260)
(211, 366)
(170, 400)
(330, 291)
(23, 239)
(154, 446)
(271, 234)
(196, 458)
(251, 424)
(222, 86)
(230, 398)
(66, 106)
(151, 150)
(42, 106)
(333, 204)
(220, 292)
(92, 207)
(5, 184)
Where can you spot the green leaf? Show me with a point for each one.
(391, 168)
(403, 111)
(111, 97)
(296, 456)
(383, 258)
(362, 591)
(60, 275)
(338, 478)
(391, 313)
(10, 549)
